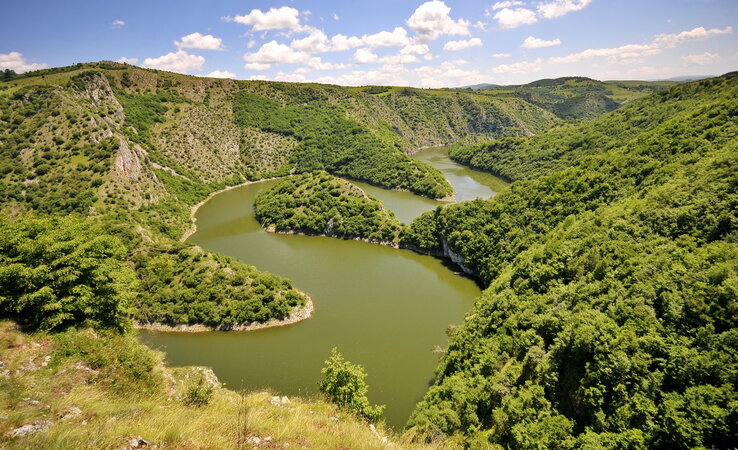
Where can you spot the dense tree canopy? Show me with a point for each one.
(318, 203)
(611, 313)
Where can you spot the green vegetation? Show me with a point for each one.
(327, 140)
(56, 272)
(94, 390)
(580, 98)
(317, 203)
(182, 284)
(343, 383)
(610, 316)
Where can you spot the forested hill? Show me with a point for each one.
(610, 317)
(578, 98)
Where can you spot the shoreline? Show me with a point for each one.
(345, 238)
(295, 316)
(193, 221)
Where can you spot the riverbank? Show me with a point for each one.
(345, 238)
(297, 315)
(193, 220)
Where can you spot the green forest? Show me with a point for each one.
(318, 203)
(609, 265)
(612, 266)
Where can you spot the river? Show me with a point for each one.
(384, 308)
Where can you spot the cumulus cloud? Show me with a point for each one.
(501, 55)
(632, 52)
(501, 5)
(396, 38)
(522, 67)
(462, 44)
(364, 56)
(200, 41)
(124, 60)
(534, 42)
(318, 42)
(117, 24)
(558, 8)
(671, 40)
(415, 49)
(181, 62)
(274, 53)
(221, 74)
(16, 62)
(335, 16)
(447, 74)
(274, 19)
(508, 18)
(431, 20)
(704, 59)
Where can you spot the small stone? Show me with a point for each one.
(72, 412)
(31, 428)
(255, 440)
(333, 418)
(137, 442)
(268, 439)
(46, 361)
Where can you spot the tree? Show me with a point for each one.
(61, 271)
(344, 385)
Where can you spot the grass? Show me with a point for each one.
(87, 410)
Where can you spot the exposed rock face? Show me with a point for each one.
(456, 258)
(128, 161)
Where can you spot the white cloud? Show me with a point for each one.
(534, 42)
(181, 62)
(462, 44)
(16, 62)
(251, 44)
(500, 5)
(290, 77)
(335, 17)
(274, 19)
(221, 74)
(523, 67)
(315, 42)
(431, 20)
(341, 43)
(447, 75)
(257, 66)
(117, 24)
(399, 59)
(415, 49)
(629, 51)
(512, 18)
(396, 38)
(318, 42)
(200, 41)
(316, 63)
(274, 53)
(632, 52)
(558, 8)
(671, 40)
(704, 59)
(364, 56)
(501, 55)
(258, 77)
(124, 60)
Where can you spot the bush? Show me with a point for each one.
(344, 385)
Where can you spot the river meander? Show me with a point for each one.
(384, 308)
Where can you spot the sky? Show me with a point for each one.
(428, 44)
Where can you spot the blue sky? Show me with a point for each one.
(401, 42)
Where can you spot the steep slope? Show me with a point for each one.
(610, 316)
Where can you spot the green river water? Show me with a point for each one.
(384, 308)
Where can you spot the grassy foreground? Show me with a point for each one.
(83, 389)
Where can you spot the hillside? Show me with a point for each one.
(320, 204)
(577, 98)
(610, 313)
